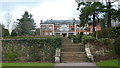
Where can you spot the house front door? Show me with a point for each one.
(64, 34)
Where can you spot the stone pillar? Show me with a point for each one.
(57, 55)
(60, 33)
(53, 30)
(75, 30)
(40, 30)
(67, 34)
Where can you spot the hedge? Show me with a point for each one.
(112, 32)
(13, 33)
(71, 37)
(117, 46)
(28, 37)
(30, 49)
(87, 38)
(5, 33)
(76, 39)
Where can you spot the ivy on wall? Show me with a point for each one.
(30, 49)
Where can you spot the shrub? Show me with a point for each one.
(59, 36)
(103, 48)
(13, 33)
(117, 46)
(11, 53)
(112, 32)
(89, 60)
(5, 33)
(77, 39)
(56, 42)
(71, 37)
(87, 38)
(105, 41)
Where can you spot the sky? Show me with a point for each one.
(40, 9)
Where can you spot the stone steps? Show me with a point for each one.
(66, 59)
(73, 57)
(72, 52)
(74, 61)
(71, 46)
(75, 49)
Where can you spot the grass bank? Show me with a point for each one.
(28, 65)
(109, 63)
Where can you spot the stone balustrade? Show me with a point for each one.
(57, 55)
(88, 52)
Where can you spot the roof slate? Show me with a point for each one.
(61, 21)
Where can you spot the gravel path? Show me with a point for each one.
(76, 65)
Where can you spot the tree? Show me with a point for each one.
(90, 12)
(37, 31)
(109, 14)
(14, 33)
(116, 15)
(8, 18)
(9, 22)
(0, 30)
(25, 25)
(5, 31)
(112, 13)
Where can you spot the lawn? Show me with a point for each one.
(109, 63)
(27, 65)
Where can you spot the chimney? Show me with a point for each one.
(41, 21)
(73, 19)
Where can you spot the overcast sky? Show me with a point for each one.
(40, 9)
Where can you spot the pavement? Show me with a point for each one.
(76, 65)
